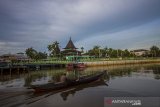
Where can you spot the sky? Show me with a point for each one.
(119, 24)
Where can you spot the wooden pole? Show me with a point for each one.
(18, 70)
(10, 71)
(1, 71)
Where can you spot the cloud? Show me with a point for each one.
(39, 22)
(143, 36)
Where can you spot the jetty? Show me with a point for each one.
(28, 67)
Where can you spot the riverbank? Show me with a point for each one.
(39, 65)
(121, 62)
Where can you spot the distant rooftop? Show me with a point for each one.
(139, 50)
(70, 45)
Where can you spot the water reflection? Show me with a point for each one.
(120, 81)
(41, 77)
(73, 90)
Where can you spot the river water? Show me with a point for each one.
(121, 81)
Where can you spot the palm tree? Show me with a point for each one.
(96, 47)
(96, 50)
(105, 51)
(54, 48)
(31, 53)
(154, 51)
(110, 52)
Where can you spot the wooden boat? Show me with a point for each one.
(80, 65)
(76, 65)
(62, 85)
(70, 65)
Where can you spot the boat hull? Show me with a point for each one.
(62, 85)
(76, 65)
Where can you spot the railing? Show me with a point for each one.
(86, 60)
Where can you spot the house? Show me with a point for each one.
(140, 52)
(14, 57)
(21, 57)
(7, 57)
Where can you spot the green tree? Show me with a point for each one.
(114, 53)
(31, 53)
(155, 51)
(96, 50)
(126, 53)
(120, 53)
(41, 55)
(104, 52)
(54, 49)
(110, 50)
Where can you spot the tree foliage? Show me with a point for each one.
(155, 51)
(109, 52)
(54, 49)
(33, 54)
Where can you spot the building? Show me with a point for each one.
(14, 57)
(8, 57)
(21, 57)
(70, 49)
(140, 52)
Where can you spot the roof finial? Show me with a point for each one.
(70, 37)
